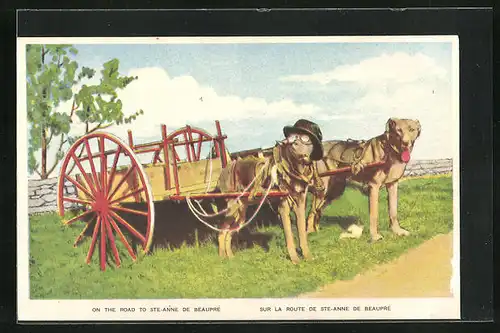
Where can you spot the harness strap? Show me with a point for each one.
(364, 145)
(197, 214)
(385, 146)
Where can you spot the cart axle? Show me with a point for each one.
(226, 195)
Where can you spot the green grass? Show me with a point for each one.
(58, 271)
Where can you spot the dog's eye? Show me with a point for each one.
(411, 129)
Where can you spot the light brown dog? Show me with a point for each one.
(291, 169)
(393, 147)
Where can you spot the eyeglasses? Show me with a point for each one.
(304, 138)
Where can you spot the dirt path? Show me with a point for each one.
(424, 271)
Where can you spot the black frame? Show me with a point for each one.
(473, 26)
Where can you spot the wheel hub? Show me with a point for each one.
(101, 204)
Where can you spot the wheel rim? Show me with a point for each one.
(104, 194)
(193, 151)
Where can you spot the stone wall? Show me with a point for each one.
(428, 167)
(43, 193)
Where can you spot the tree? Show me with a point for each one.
(51, 75)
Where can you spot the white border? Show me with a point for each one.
(230, 309)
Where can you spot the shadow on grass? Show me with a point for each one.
(363, 189)
(175, 226)
(343, 221)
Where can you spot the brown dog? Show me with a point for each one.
(393, 147)
(291, 169)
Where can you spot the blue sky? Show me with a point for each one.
(253, 69)
(349, 89)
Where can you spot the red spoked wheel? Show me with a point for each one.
(192, 139)
(117, 202)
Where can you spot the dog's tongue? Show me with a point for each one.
(405, 156)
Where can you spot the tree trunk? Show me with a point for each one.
(44, 137)
(44, 155)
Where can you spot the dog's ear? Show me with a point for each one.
(419, 127)
(389, 126)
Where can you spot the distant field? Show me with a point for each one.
(188, 266)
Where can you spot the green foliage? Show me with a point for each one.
(51, 75)
(99, 103)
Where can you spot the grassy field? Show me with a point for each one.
(189, 267)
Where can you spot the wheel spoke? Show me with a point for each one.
(156, 157)
(112, 241)
(102, 244)
(128, 226)
(122, 237)
(104, 185)
(177, 158)
(82, 170)
(78, 185)
(94, 240)
(127, 196)
(91, 162)
(128, 210)
(80, 201)
(80, 237)
(121, 182)
(78, 217)
(104, 171)
(113, 168)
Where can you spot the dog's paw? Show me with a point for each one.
(376, 237)
(295, 260)
(312, 229)
(294, 257)
(400, 231)
(308, 256)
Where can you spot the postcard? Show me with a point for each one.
(238, 178)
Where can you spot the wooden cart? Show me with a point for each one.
(109, 176)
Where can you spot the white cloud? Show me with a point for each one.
(429, 103)
(397, 67)
(177, 101)
(395, 85)
(328, 117)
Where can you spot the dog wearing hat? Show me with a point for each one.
(291, 169)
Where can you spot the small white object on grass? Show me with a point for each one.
(354, 231)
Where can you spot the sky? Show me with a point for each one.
(254, 90)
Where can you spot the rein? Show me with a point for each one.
(199, 214)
